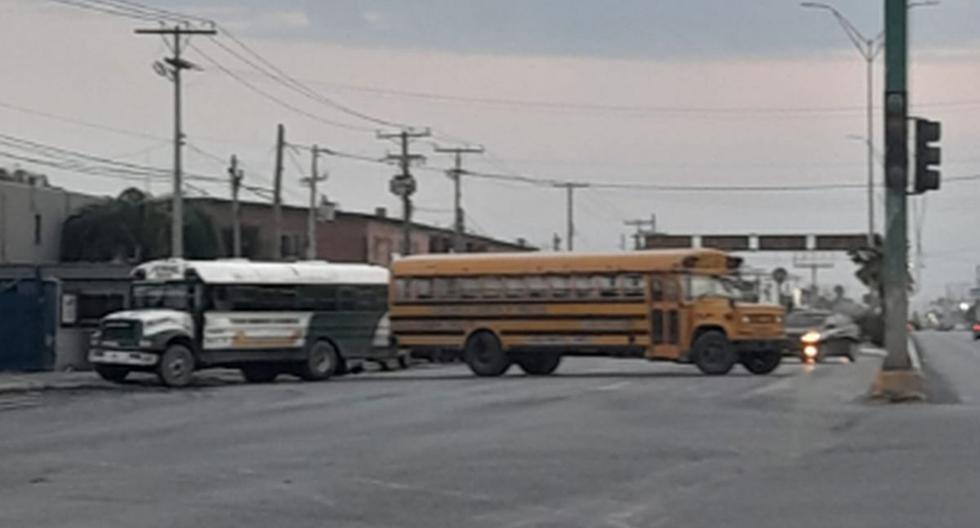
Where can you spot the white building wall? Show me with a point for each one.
(31, 217)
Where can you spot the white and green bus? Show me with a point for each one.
(309, 319)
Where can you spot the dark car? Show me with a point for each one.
(816, 334)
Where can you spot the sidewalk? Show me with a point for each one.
(15, 382)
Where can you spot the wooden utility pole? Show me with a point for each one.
(176, 65)
(314, 178)
(277, 193)
(570, 211)
(456, 174)
(639, 224)
(403, 184)
(236, 176)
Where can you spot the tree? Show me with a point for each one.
(132, 228)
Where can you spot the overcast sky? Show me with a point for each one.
(669, 92)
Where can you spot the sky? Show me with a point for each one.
(672, 92)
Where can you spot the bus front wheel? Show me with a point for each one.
(538, 364)
(176, 367)
(485, 356)
(713, 354)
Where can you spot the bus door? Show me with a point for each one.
(666, 325)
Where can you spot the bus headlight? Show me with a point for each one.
(746, 319)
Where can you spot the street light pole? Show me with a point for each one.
(869, 48)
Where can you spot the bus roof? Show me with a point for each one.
(240, 271)
(703, 260)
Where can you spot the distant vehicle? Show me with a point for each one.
(532, 309)
(976, 325)
(309, 319)
(817, 334)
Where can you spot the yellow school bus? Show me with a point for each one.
(534, 308)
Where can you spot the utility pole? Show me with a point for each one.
(456, 174)
(896, 379)
(314, 178)
(403, 184)
(176, 65)
(570, 210)
(639, 224)
(277, 193)
(236, 176)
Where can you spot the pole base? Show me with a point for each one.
(897, 386)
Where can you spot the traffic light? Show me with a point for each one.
(927, 155)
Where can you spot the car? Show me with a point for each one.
(814, 335)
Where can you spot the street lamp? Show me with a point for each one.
(869, 48)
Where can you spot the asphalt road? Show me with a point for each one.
(612, 443)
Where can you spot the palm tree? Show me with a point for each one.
(132, 228)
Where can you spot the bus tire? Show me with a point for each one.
(761, 361)
(259, 373)
(538, 364)
(113, 373)
(176, 367)
(713, 354)
(485, 356)
(320, 363)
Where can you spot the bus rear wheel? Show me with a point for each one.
(321, 362)
(485, 356)
(538, 364)
(762, 361)
(713, 354)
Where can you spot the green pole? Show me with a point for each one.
(895, 267)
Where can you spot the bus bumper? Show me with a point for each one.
(133, 358)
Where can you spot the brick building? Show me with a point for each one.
(348, 237)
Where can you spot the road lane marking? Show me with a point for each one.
(612, 386)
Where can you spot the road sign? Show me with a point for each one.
(780, 275)
(402, 186)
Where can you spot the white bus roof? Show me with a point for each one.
(240, 271)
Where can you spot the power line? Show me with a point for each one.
(108, 11)
(290, 81)
(81, 123)
(275, 99)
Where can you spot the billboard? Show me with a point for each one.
(658, 241)
(726, 242)
(782, 243)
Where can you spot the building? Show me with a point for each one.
(347, 237)
(31, 215)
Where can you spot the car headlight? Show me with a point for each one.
(145, 343)
(811, 337)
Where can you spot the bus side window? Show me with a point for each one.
(401, 290)
(346, 298)
(656, 290)
(606, 285)
(560, 286)
(444, 288)
(469, 287)
(422, 289)
(631, 285)
(493, 287)
(537, 286)
(583, 286)
(514, 287)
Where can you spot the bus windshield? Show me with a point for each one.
(701, 286)
(173, 295)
